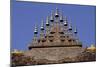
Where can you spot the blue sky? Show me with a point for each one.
(24, 15)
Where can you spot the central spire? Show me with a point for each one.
(57, 13)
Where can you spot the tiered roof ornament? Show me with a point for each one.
(54, 32)
(47, 21)
(70, 27)
(61, 18)
(65, 22)
(75, 30)
(57, 13)
(35, 30)
(52, 16)
(42, 25)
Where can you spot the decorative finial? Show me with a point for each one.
(75, 30)
(52, 16)
(61, 18)
(42, 25)
(70, 26)
(47, 21)
(57, 13)
(65, 22)
(35, 30)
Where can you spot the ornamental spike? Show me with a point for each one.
(65, 22)
(47, 21)
(75, 30)
(70, 26)
(52, 16)
(35, 30)
(42, 25)
(61, 18)
(57, 13)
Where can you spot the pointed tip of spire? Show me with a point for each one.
(75, 30)
(35, 30)
(52, 16)
(57, 13)
(56, 8)
(65, 22)
(42, 25)
(35, 27)
(70, 26)
(47, 21)
(61, 17)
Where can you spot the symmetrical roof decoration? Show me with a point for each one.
(56, 31)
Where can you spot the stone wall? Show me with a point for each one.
(54, 53)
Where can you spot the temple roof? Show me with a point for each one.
(55, 28)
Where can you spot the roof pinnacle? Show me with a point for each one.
(35, 30)
(57, 13)
(42, 25)
(65, 22)
(47, 21)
